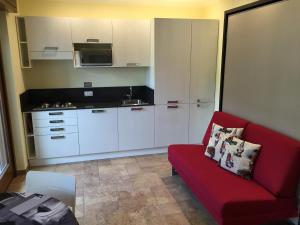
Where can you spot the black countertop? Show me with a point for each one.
(106, 97)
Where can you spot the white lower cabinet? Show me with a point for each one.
(98, 130)
(200, 116)
(171, 124)
(136, 127)
(53, 146)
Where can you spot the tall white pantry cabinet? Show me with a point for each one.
(184, 70)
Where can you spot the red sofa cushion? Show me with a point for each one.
(225, 120)
(223, 193)
(277, 167)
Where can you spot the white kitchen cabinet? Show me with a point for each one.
(200, 116)
(136, 127)
(91, 30)
(98, 130)
(49, 37)
(53, 146)
(131, 43)
(172, 60)
(203, 60)
(171, 124)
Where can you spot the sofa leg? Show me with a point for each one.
(174, 173)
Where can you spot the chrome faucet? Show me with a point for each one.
(130, 93)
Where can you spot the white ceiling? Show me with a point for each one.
(168, 3)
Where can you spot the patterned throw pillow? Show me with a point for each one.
(216, 143)
(239, 157)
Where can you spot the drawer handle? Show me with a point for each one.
(173, 102)
(57, 137)
(50, 48)
(98, 111)
(92, 40)
(57, 129)
(137, 109)
(55, 113)
(56, 121)
(172, 106)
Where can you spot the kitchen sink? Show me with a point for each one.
(133, 102)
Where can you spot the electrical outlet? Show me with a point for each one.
(88, 84)
(88, 93)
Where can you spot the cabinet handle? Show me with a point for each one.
(50, 48)
(98, 111)
(57, 129)
(172, 106)
(55, 113)
(173, 102)
(137, 109)
(57, 137)
(92, 40)
(199, 101)
(56, 121)
(132, 64)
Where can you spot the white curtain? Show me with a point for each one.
(3, 152)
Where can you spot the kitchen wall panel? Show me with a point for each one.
(62, 74)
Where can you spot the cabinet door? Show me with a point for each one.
(91, 30)
(98, 130)
(200, 116)
(52, 146)
(48, 34)
(171, 124)
(204, 60)
(172, 60)
(131, 43)
(136, 127)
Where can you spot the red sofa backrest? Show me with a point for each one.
(225, 120)
(278, 165)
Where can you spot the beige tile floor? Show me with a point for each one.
(130, 191)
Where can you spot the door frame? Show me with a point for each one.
(11, 171)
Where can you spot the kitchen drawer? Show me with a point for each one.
(52, 146)
(55, 122)
(54, 114)
(55, 130)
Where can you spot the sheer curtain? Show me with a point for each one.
(3, 152)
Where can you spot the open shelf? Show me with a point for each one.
(23, 43)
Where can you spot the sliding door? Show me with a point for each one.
(6, 162)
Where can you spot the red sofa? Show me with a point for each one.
(269, 196)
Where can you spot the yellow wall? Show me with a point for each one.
(97, 10)
(14, 85)
(216, 11)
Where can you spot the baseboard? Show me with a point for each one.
(110, 155)
(22, 172)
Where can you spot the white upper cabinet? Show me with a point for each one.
(172, 60)
(203, 60)
(136, 127)
(91, 30)
(131, 43)
(49, 37)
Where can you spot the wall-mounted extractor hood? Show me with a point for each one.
(92, 55)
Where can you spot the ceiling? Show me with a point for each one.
(167, 3)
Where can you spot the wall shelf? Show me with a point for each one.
(23, 44)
